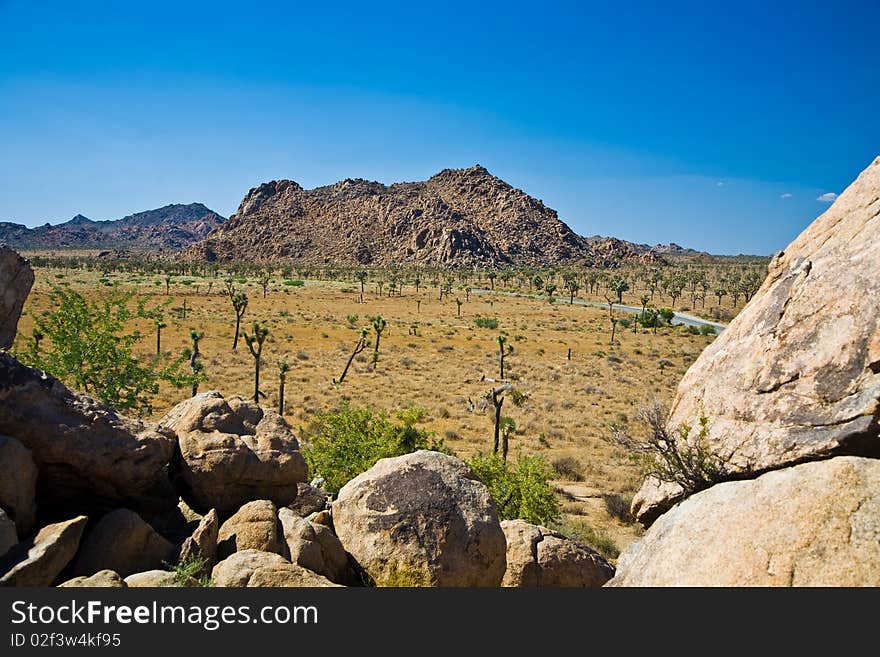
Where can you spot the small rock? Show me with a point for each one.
(309, 500)
(254, 527)
(38, 560)
(151, 579)
(316, 548)
(102, 578)
(203, 542)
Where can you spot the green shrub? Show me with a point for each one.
(579, 530)
(568, 468)
(294, 283)
(520, 490)
(340, 445)
(705, 329)
(486, 322)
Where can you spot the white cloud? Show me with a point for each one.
(720, 183)
(786, 195)
(827, 198)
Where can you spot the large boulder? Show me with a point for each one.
(16, 279)
(814, 524)
(202, 544)
(38, 560)
(123, 542)
(89, 457)
(101, 579)
(18, 483)
(422, 519)
(254, 527)
(233, 451)
(264, 569)
(316, 548)
(796, 375)
(537, 556)
(8, 534)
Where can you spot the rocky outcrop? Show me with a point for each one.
(18, 482)
(309, 500)
(202, 544)
(38, 560)
(796, 375)
(254, 527)
(814, 524)
(421, 519)
(233, 451)
(264, 569)
(88, 456)
(123, 542)
(316, 548)
(151, 579)
(16, 277)
(170, 227)
(537, 556)
(101, 579)
(459, 217)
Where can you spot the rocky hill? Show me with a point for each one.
(170, 227)
(459, 217)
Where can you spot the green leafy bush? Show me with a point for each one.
(340, 445)
(705, 329)
(294, 283)
(486, 322)
(521, 490)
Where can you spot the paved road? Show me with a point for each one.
(679, 318)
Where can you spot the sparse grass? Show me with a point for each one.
(568, 468)
(581, 531)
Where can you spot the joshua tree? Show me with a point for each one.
(418, 305)
(497, 397)
(458, 302)
(362, 279)
(572, 285)
(159, 322)
(255, 346)
(239, 305)
(379, 325)
(645, 299)
(619, 285)
(504, 350)
(264, 282)
(611, 316)
(492, 276)
(167, 285)
(417, 282)
(283, 369)
(508, 426)
(550, 288)
(358, 348)
(195, 365)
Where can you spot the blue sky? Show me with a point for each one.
(713, 125)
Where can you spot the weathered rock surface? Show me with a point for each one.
(254, 527)
(102, 579)
(38, 560)
(18, 483)
(88, 456)
(233, 452)
(316, 548)
(151, 579)
(264, 569)
(8, 534)
(814, 524)
(203, 542)
(16, 279)
(796, 375)
(309, 500)
(423, 518)
(459, 217)
(123, 542)
(537, 556)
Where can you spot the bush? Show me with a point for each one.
(582, 532)
(521, 490)
(340, 445)
(568, 468)
(486, 322)
(705, 329)
(618, 506)
(294, 283)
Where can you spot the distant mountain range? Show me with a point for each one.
(171, 227)
(459, 217)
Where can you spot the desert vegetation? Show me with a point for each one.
(347, 354)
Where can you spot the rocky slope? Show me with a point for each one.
(459, 217)
(170, 227)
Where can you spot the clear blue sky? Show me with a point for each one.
(714, 125)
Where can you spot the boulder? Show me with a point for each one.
(89, 457)
(264, 569)
(151, 579)
(202, 544)
(8, 533)
(102, 579)
(316, 548)
(421, 519)
(814, 524)
(254, 527)
(123, 542)
(233, 451)
(38, 560)
(309, 500)
(537, 556)
(16, 279)
(18, 483)
(176, 524)
(796, 375)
